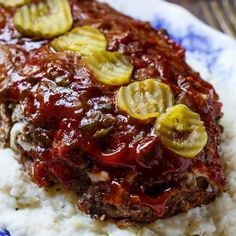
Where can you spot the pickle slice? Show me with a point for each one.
(13, 3)
(110, 68)
(182, 131)
(44, 19)
(84, 40)
(145, 99)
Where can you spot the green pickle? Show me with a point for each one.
(182, 131)
(13, 3)
(44, 19)
(83, 40)
(110, 68)
(145, 99)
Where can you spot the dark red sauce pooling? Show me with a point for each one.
(70, 108)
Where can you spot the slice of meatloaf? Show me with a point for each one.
(73, 133)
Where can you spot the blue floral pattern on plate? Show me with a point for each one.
(4, 232)
(194, 42)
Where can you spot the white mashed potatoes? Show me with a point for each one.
(27, 210)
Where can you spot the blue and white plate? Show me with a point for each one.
(216, 51)
(4, 233)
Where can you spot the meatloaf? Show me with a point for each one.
(65, 122)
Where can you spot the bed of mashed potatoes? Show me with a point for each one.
(27, 210)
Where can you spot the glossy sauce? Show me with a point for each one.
(67, 105)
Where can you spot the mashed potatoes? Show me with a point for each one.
(27, 210)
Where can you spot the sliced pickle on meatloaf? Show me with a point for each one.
(107, 107)
(44, 19)
(145, 99)
(84, 40)
(110, 68)
(13, 3)
(182, 131)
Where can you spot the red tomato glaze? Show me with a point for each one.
(67, 106)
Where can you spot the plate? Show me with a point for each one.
(4, 233)
(203, 44)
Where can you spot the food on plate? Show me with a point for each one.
(110, 68)
(13, 3)
(182, 131)
(107, 106)
(156, 97)
(84, 40)
(44, 19)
